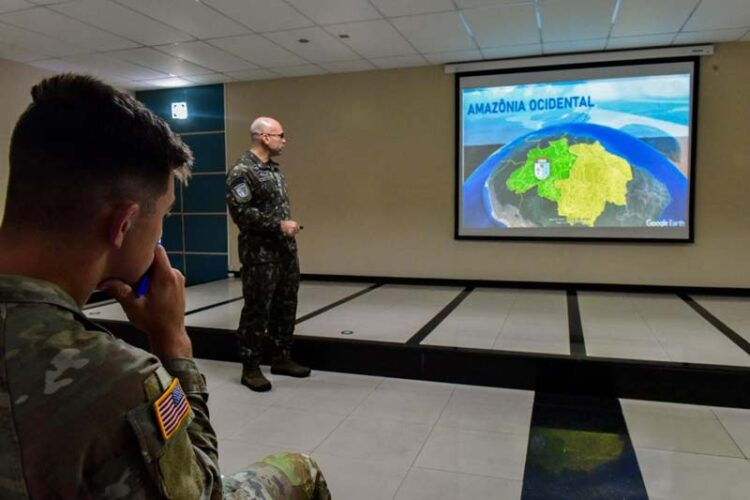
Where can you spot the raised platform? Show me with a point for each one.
(660, 346)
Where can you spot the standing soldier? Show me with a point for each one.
(259, 205)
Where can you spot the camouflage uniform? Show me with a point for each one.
(77, 415)
(258, 201)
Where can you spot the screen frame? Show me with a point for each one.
(458, 181)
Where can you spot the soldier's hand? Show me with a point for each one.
(160, 313)
(289, 228)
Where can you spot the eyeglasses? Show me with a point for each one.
(273, 135)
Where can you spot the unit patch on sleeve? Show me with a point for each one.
(241, 191)
(172, 408)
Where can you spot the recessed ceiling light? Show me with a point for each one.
(343, 35)
(303, 40)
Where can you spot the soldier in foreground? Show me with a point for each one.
(259, 204)
(85, 415)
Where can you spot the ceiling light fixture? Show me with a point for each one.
(303, 40)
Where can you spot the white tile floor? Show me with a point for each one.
(615, 325)
(381, 438)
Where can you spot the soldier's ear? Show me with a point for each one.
(120, 222)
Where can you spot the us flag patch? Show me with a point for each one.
(172, 408)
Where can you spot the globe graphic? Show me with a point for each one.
(503, 192)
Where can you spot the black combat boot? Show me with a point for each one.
(284, 365)
(253, 378)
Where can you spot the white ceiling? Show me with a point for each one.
(141, 44)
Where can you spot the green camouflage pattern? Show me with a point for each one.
(292, 476)
(81, 408)
(258, 201)
(270, 308)
(77, 417)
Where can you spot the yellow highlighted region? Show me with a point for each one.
(597, 177)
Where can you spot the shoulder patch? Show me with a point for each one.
(241, 191)
(172, 408)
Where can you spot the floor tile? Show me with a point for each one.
(376, 439)
(287, 428)
(327, 397)
(403, 406)
(686, 476)
(680, 433)
(360, 478)
(495, 454)
(427, 484)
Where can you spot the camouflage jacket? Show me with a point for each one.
(79, 415)
(258, 201)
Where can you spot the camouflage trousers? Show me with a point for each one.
(270, 293)
(288, 476)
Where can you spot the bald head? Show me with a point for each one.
(263, 125)
(267, 137)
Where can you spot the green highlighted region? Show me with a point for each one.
(581, 179)
(560, 160)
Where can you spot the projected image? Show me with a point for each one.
(604, 157)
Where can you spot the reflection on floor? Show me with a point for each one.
(645, 327)
(381, 438)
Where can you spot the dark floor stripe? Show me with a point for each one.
(439, 317)
(337, 303)
(735, 337)
(577, 343)
(579, 447)
(211, 306)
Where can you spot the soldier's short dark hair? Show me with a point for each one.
(82, 144)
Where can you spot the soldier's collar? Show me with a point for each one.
(271, 164)
(15, 288)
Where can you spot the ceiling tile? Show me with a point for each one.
(258, 50)
(647, 17)
(348, 66)
(253, 74)
(122, 21)
(302, 70)
(46, 2)
(452, 57)
(58, 65)
(42, 20)
(720, 14)
(399, 62)
(262, 15)
(509, 51)
(158, 61)
(336, 11)
(373, 38)
(322, 46)
(105, 66)
(746, 38)
(569, 20)
(207, 56)
(191, 17)
(11, 5)
(576, 46)
(470, 4)
(709, 36)
(627, 42)
(393, 8)
(503, 25)
(209, 79)
(15, 53)
(37, 43)
(441, 32)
